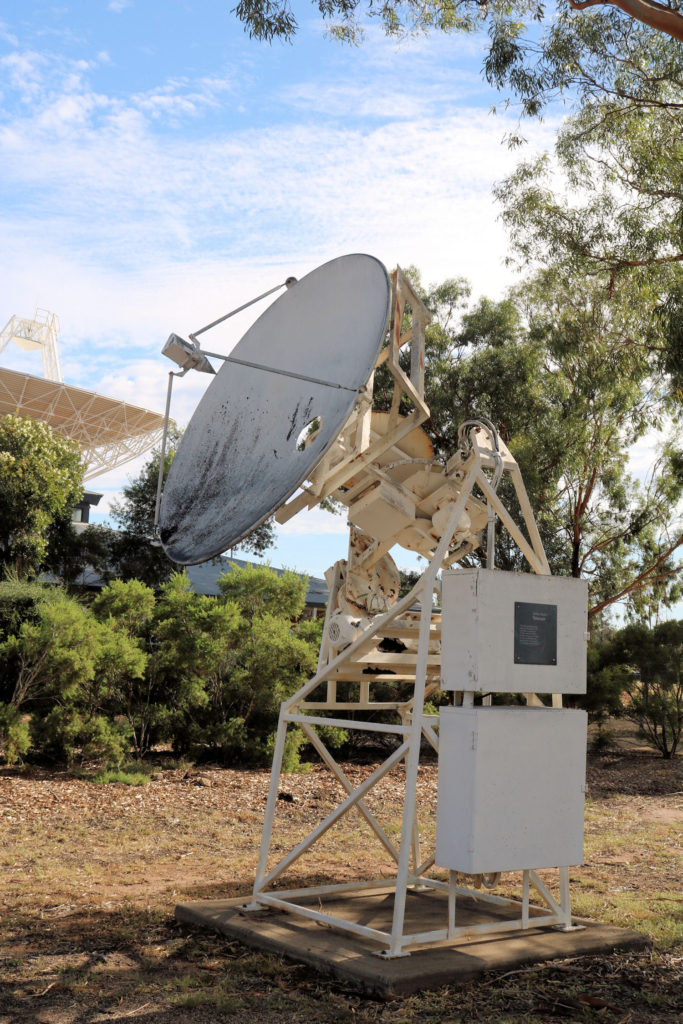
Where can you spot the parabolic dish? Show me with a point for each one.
(238, 460)
(108, 431)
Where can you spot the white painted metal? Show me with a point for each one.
(346, 723)
(376, 884)
(478, 646)
(426, 591)
(334, 816)
(109, 432)
(468, 470)
(511, 788)
(341, 777)
(381, 466)
(323, 918)
(238, 460)
(562, 908)
(39, 333)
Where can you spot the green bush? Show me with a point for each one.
(250, 653)
(14, 734)
(68, 667)
(20, 601)
(649, 666)
(135, 669)
(65, 735)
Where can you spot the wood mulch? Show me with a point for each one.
(89, 875)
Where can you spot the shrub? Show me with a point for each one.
(14, 734)
(67, 735)
(650, 662)
(68, 668)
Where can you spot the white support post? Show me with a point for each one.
(452, 897)
(271, 804)
(431, 736)
(426, 591)
(565, 899)
(529, 519)
(412, 765)
(537, 564)
(545, 892)
(415, 844)
(425, 866)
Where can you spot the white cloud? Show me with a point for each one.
(394, 80)
(6, 35)
(117, 6)
(409, 174)
(142, 215)
(419, 191)
(24, 72)
(132, 234)
(314, 521)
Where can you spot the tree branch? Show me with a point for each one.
(642, 580)
(656, 15)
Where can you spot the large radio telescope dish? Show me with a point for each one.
(239, 460)
(109, 432)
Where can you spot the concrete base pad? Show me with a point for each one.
(352, 959)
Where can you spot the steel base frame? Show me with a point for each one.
(412, 727)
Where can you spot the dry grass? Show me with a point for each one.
(90, 874)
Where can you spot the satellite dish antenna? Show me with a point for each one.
(295, 407)
(297, 371)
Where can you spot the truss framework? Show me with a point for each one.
(39, 333)
(362, 457)
(109, 432)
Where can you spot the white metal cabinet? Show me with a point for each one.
(502, 631)
(511, 788)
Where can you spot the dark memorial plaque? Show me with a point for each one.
(535, 633)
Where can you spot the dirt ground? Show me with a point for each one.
(89, 875)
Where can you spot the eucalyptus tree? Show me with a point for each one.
(41, 479)
(559, 367)
(605, 391)
(612, 218)
(618, 205)
(615, 209)
(270, 19)
(536, 52)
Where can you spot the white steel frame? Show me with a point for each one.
(109, 432)
(40, 332)
(479, 468)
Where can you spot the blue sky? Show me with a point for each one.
(158, 168)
